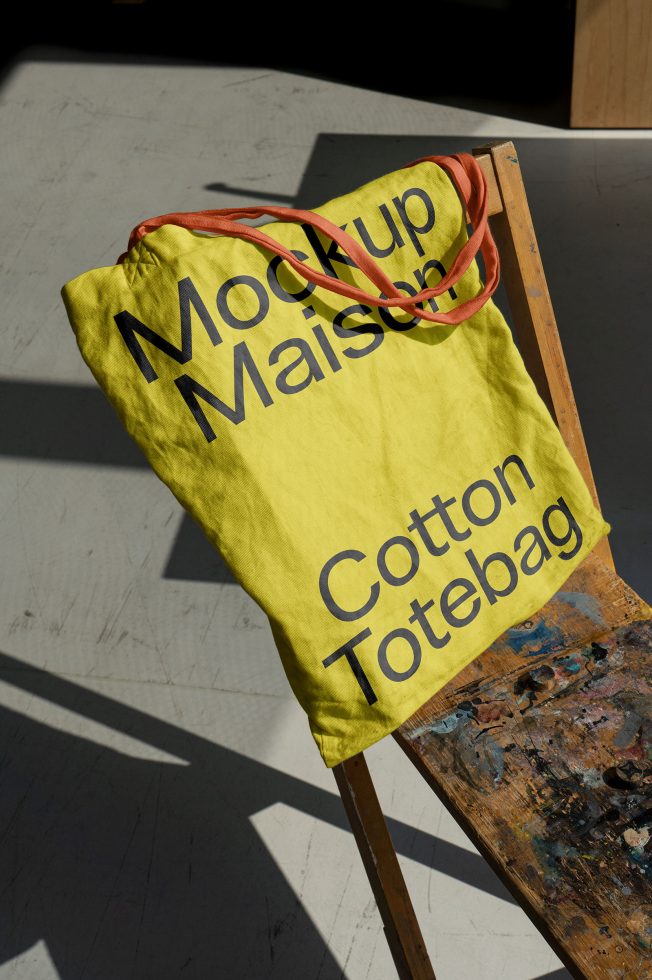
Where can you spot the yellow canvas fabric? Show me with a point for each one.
(393, 494)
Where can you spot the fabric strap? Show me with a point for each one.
(466, 175)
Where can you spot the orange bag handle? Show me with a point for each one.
(469, 180)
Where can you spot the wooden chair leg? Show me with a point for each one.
(383, 870)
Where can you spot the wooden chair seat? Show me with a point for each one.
(541, 750)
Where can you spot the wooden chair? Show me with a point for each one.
(540, 748)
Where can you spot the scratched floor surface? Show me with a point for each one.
(164, 812)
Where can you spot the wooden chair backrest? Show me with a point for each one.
(532, 315)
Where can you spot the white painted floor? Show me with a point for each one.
(164, 811)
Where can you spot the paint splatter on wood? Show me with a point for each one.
(542, 750)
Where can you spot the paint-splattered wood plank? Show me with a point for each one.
(542, 750)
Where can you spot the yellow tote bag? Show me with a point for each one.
(337, 401)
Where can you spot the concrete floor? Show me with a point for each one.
(164, 810)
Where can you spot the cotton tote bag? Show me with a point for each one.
(338, 402)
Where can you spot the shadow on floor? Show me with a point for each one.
(467, 54)
(133, 868)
